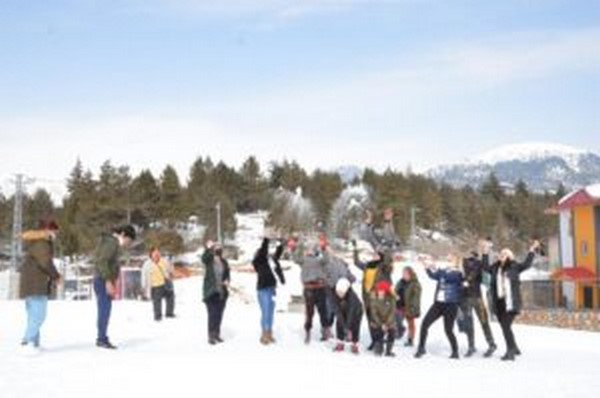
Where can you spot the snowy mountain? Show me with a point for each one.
(543, 166)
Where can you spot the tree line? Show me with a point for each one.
(112, 196)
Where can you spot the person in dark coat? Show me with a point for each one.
(408, 304)
(472, 301)
(38, 275)
(107, 271)
(378, 269)
(217, 277)
(447, 296)
(505, 289)
(349, 313)
(267, 267)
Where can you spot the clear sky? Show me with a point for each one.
(326, 82)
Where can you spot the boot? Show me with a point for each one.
(371, 346)
(491, 350)
(378, 349)
(307, 337)
(470, 352)
(212, 339)
(339, 347)
(420, 353)
(509, 356)
(389, 350)
(263, 339)
(409, 343)
(218, 338)
(270, 337)
(355, 349)
(455, 355)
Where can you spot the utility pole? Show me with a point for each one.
(17, 232)
(218, 208)
(413, 226)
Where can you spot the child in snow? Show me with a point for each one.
(408, 304)
(447, 297)
(349, 315)
(383, 319)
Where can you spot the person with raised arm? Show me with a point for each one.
(445, 305)
(505, 289)
(215, 289)
(268, 266)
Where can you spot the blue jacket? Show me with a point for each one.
(449, 284)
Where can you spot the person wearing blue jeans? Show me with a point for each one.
(266, 301)
(107, 270)
(36, 307)
(266, 267)
(37, 277)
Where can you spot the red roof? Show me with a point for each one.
(575, 274)
(580, 198)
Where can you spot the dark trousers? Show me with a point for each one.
(467, 306)
(381, 336)
(104, 305)
(331, 306)
(400, 328)
(159, 294)
(315, 297)
(438, 310)
(354, 329)
(506, 320)
(215, 305)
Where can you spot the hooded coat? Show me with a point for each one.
(37, 271)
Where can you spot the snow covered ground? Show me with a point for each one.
(173, 359)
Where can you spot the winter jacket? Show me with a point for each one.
(349, 310)
(383, 312)
(337, 269)
(153, 276)
(473, 269)
(449, 285)
(106, 258)
(211, 285)
(37, 270)
(374, 271)
(313, 267)
(512, 271)
(264, 270)
(409, 296)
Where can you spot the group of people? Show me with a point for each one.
(391, 311)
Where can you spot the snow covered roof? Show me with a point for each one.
(589, 195)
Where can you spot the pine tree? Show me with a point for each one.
(171, 195)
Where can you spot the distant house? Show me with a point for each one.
(579, 219)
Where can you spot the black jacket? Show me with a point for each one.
(211, 285)
(262, 266)
(473, 269)
(349, 310)
(513, 270)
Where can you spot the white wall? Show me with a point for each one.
(566, 239)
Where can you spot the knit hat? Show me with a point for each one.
(383, 286)
(342, 287)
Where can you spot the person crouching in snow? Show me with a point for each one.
(157, 279)
(38, 275)
(349, 313)
(266, 267)
(447, 297)
(383, 319)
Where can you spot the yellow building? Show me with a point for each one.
(579, 214)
